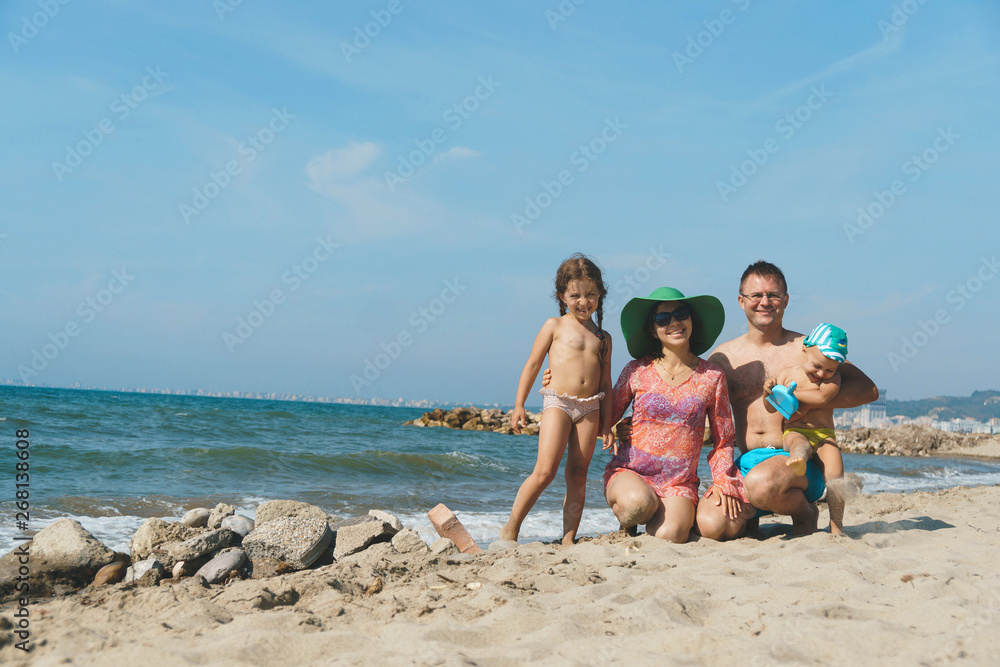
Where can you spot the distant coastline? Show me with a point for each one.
(264, 396)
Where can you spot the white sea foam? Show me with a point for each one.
(539, 526)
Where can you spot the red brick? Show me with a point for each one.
(447, 525)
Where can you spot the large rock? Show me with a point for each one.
(154, 533)
(203, 544)
(220, 567)
(221, 511)
(275, 509)
(354, 536)
(62, 558)
(292, 540)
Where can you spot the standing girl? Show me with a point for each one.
(577, 404)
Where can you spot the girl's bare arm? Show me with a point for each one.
(538, 351)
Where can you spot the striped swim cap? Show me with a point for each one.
(831, 341)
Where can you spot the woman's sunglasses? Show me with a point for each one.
(680, 314)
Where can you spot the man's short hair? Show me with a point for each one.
(764, 270)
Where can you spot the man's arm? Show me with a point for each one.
(856, 388)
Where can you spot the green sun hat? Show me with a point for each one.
(708, 311)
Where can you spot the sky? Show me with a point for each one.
(370, 199)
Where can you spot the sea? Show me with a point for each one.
(112, 459)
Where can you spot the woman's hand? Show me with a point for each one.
(732, 507)
(546, 377)
(624, 432)
(518, 418)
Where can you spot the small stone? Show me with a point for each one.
(359, 536)
(110, 574)
(390, 519)
(239, 524)
(203, 544)
(222, 565)
(297, 542)
(196, 518)
(145, 573)
(183, 568)
(408, 541)
(444, 547)
(221, 511)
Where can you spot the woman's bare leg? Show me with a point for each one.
(631, 499)
(673, 520)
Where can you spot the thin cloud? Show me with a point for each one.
(884, 48)
(341, 163)
(457, 153)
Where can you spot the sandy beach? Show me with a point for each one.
(915, 583)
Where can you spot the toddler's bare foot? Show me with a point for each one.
(836, 530)
(569, 540)
(797, 464)
(508, 533)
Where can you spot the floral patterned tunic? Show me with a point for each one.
(668, 428)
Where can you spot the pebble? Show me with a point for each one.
(239, 524)
(196, 518)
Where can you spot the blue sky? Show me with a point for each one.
(259, 197)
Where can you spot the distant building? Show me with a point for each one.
(966, 426)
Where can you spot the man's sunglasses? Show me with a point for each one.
(680, 314)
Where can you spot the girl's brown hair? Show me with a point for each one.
(578, 267)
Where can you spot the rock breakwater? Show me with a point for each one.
(476, 419)
(912, 440)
